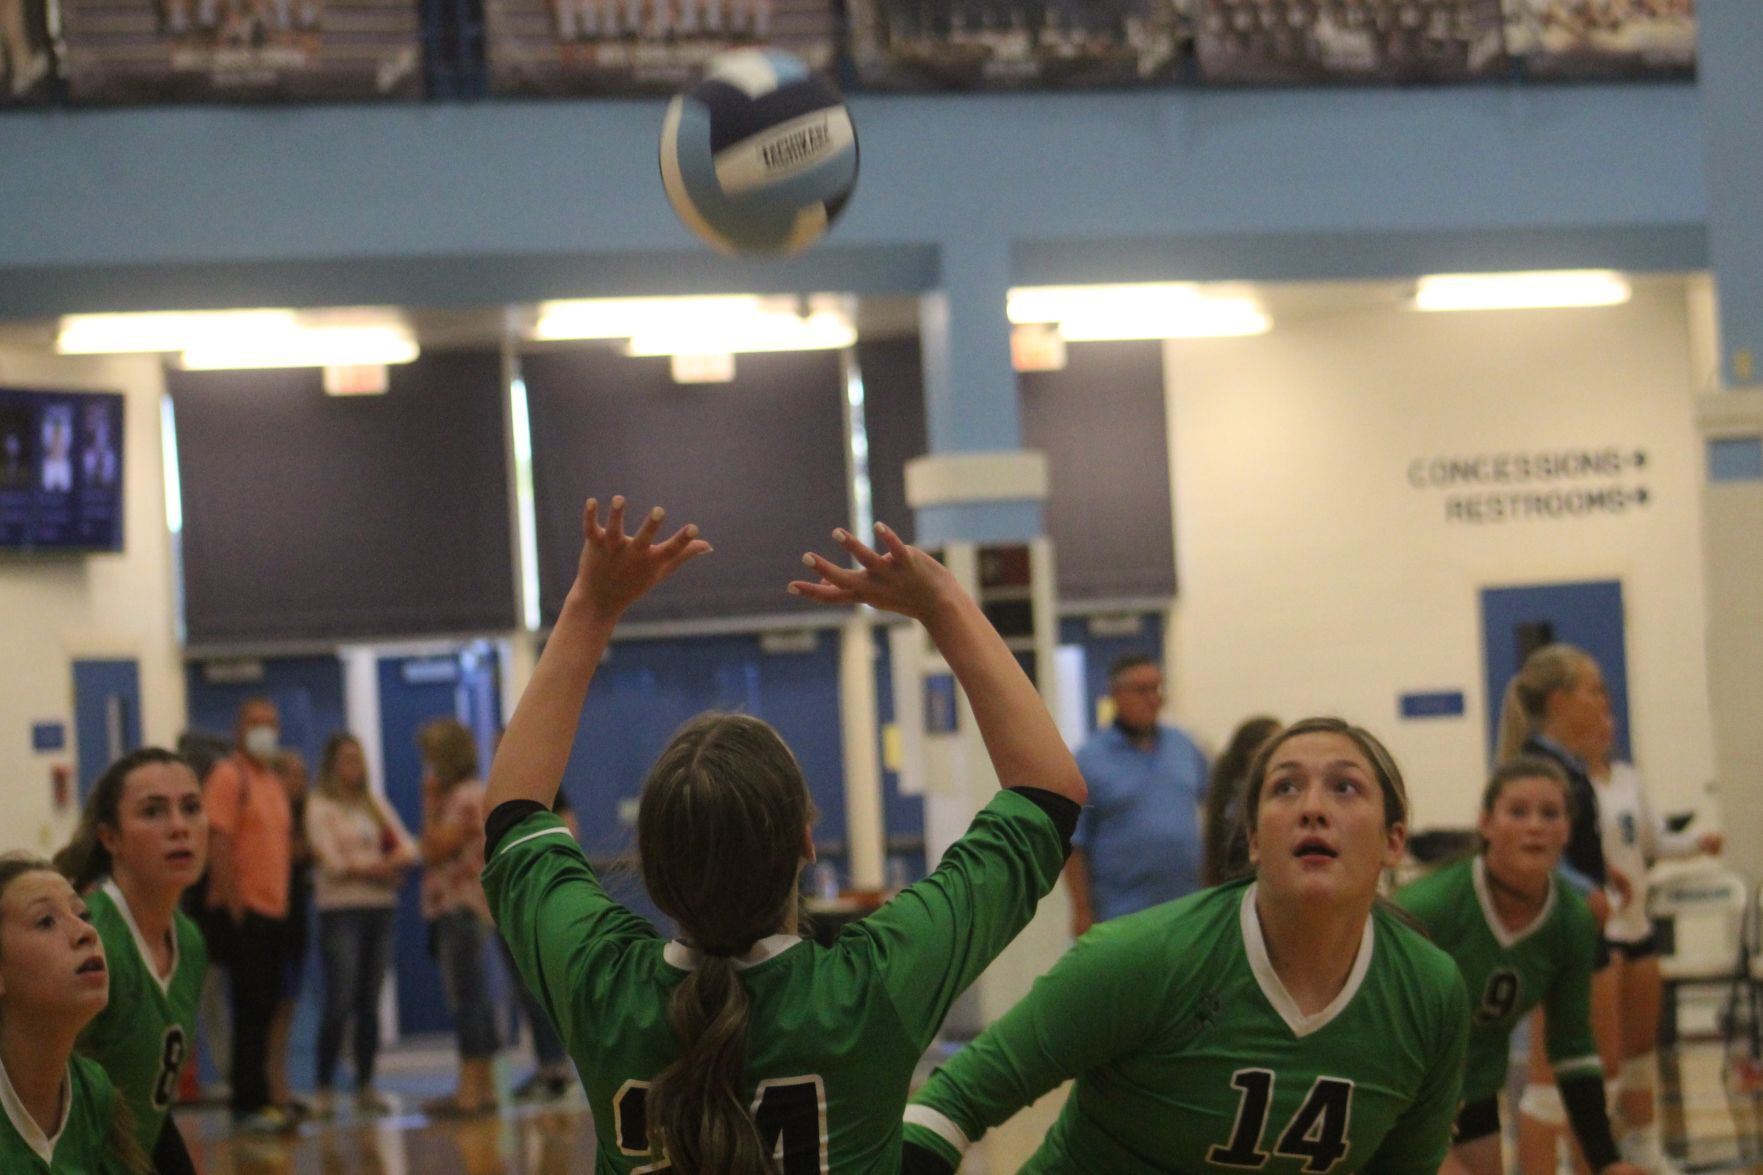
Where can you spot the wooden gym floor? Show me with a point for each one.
(1712, 1124)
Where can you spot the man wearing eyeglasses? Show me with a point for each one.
(1138, 840)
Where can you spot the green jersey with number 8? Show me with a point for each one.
(834, 1032)
(1189, 1054)
(1509, 972)
(144, 1035)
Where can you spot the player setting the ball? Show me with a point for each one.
(741, 1048)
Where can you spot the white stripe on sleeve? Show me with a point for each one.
(940, 1125)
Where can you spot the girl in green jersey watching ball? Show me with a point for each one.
(142, 841)
(58, 1112)
(1283, 1023)
(1521, 936)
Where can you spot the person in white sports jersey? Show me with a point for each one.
(1626, 994)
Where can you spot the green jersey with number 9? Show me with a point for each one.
(144, 1035)
(834, 1032)
(1189, 1054)
(1509, 972)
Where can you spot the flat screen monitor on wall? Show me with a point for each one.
(60, 471)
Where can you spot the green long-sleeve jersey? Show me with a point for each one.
(81, 1143)
(835, 1032)
(1189, 1055)
(144, 1035)
(1507, 973)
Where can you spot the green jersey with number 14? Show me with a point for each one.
(144, 1035)
(1509, 972)
(1191, 1056)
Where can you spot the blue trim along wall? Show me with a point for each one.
(470, 204)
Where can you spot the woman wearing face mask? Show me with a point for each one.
(251, 852)
(1522, 937)
(143, 840)
(58, 1112)
(1285, 1022)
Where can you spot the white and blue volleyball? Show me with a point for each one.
(760, 156)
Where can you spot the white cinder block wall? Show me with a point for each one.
(1314, 578)
(55, 610)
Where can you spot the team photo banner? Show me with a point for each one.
(1603, 39)
(613, 47)
(27, 59)
(1018, 44)
(1262, 42)
(122, 51)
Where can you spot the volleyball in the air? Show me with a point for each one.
(760, 156)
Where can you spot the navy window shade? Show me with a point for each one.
(312, 517)
(1102, 424)
(758, 463)
(1101, 421)
(893, 413)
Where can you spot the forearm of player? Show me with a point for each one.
(918, 1159)
(530, 763)
(1025, 745)
(222, 872)
(1583, 1095)
(1077, 885)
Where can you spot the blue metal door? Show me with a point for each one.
(1104, 639)
(647, 688)
(107, 715)
(902, 815)
(1517, 620)
(307, 692)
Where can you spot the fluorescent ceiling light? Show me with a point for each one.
(114, 334)
(620, 318)
(1213, 319)
(1548, 289)
(332, 346)
(1056, 303)
(722, 324)
(1140, 310)
(820, 331)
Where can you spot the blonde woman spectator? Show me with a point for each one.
(453, 902)
(360, 851)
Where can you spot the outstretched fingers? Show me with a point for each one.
(681, 547)
(823, 591)
(895, 545)
(858, 550)
(651, 527)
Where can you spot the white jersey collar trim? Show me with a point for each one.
(1275, 990)
(685, 958)
(1484, 897)
(142, 947)
(43, 1145)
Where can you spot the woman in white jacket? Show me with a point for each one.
(360, 851)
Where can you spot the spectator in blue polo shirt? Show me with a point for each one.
(1138, 840)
